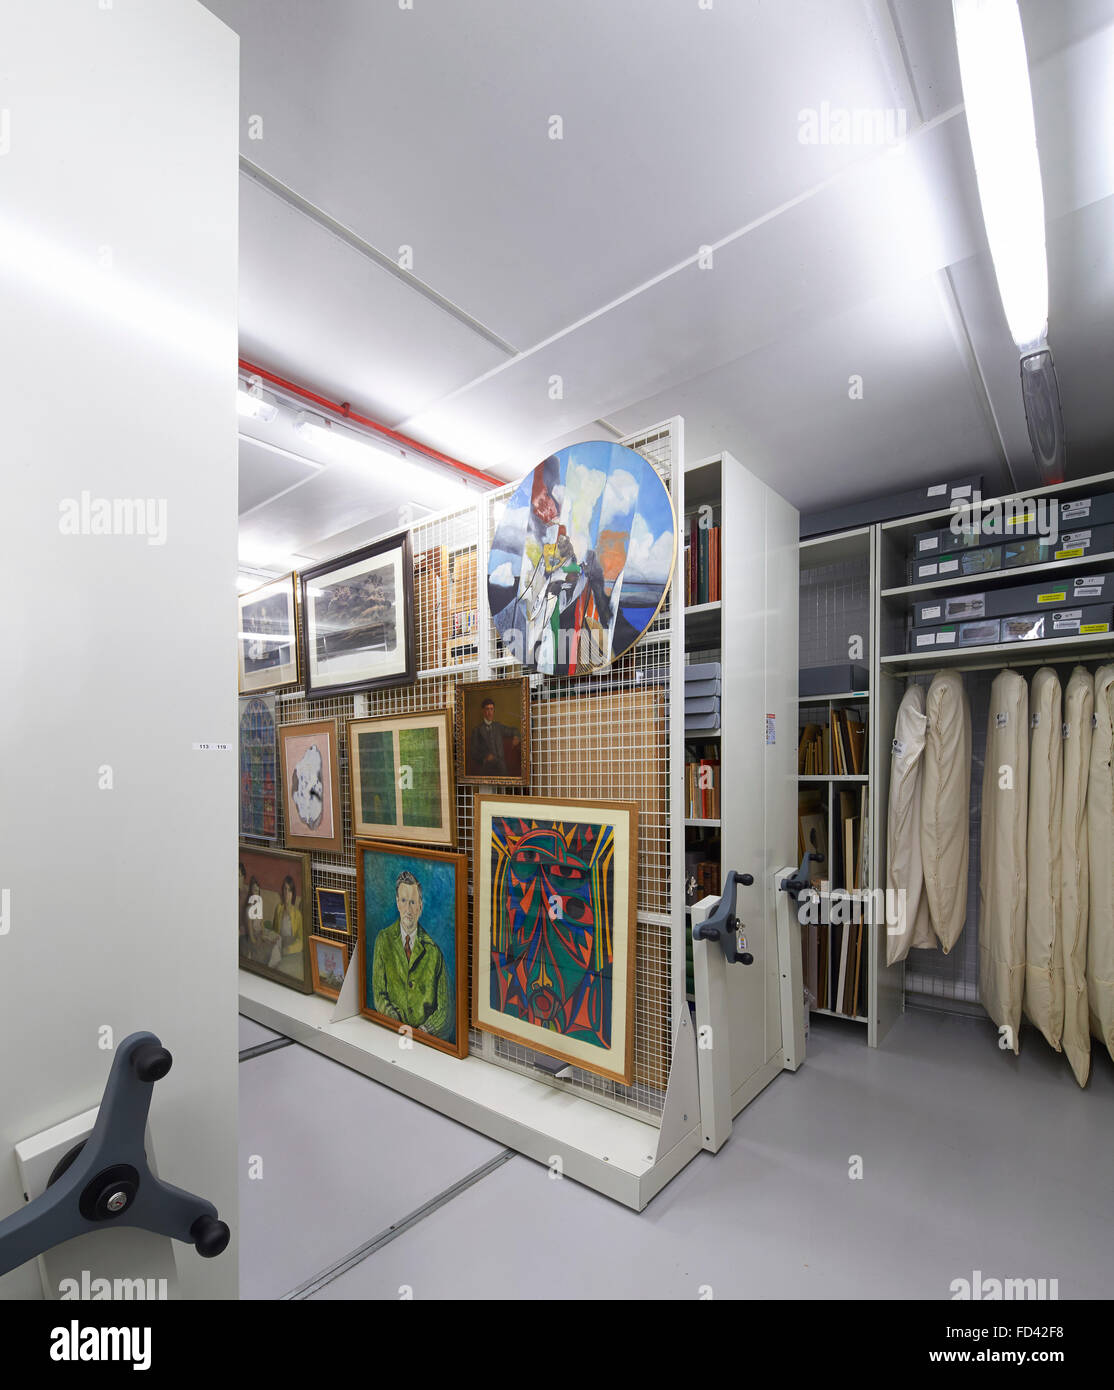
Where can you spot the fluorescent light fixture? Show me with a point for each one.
(254, 403)
(999, 104)
(342, 443)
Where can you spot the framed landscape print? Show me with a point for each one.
(554, 931)
(358, 620)
(412, 918)
(401, 774)
(332, 909)
(328, 962)
(268, 638)
(258, 768)
(581, 559)
(274, 914)
(493, 732)
(311, 785)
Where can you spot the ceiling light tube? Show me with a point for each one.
(999, 104)
(339, 442)
(254, 403)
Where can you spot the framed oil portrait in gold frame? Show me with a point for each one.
(275, 916)
(401, 776)
(492, 726)
(412, 920)
(553, 953)
(311, 786)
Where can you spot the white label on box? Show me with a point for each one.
(930, 543)
(1090, 585)
(948, 566)
(938, 491)
(927, 613)
(1076, 538)
(925, 570)
(1071, 511)
(943, 638)
(1069, 624)
(926, 639)
(964, 491)
(1075, 614)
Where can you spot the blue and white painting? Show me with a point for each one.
(581, 559)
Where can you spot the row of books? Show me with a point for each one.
(702, 788)
(835, 966)
(844, 865)
(838, 747)
(702, 563)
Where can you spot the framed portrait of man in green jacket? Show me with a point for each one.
(412, 908)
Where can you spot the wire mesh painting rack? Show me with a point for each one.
(602, 737)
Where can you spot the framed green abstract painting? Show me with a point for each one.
(554, 932)
(401, 774)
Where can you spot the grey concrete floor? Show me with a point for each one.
(971, 1159)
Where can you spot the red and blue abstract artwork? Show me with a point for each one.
(552, 916)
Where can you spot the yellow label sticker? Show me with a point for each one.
(1072, 554)
(1058, 597)
(1095, 627)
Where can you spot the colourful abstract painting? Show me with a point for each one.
(581, 559)
(556, 934)
(258, 768)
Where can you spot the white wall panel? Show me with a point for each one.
(118, 193)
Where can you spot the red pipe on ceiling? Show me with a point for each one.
(346, 412)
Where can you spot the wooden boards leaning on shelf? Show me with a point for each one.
(836, 748)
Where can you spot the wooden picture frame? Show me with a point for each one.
(544, 977)
(500, 758)
(436, 973)
(358, 620)
(392, 761)
(326, 913)
(311, 786)
(320, 952)
(268, 654)
(431, 604)
(264, 874)
(257, 751)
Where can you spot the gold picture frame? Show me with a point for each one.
(498, 755)
(555, 928)
(401, 778)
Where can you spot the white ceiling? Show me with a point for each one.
(428, 128)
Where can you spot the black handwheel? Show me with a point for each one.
(151, 1062)
(746, 880)
(210, 1236)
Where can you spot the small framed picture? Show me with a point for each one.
(358, 620)
(412, 920)
(275, 916)
(493, 733)
(401, 775)
(328, 961)
(311, 786)
(268, 638)
(332, 909)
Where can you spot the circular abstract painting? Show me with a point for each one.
(581, 559)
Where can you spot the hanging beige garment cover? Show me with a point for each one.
(945, 804)
(1002, 854)
(907, 920)
(1100, 837)
(1079, 706)
(1044, 960)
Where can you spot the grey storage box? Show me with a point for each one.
(832, 680)
(1017, 599)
